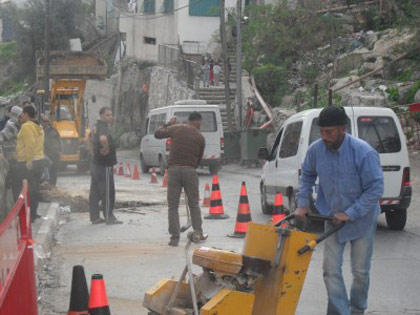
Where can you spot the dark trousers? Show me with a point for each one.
(102, 189)
(33, 176)
(53, 169)
(13, 180)
(187, 178)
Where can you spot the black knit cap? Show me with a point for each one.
(332, 116)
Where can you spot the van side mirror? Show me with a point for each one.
(263, 154)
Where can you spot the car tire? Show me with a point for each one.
(213, 169)
(396, 219)
(144, 167)
(265, 207)
(162, 166)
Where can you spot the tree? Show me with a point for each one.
(28, 27)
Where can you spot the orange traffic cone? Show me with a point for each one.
(165, 179)
(206, 200)
(98, 301)
(128, 170)
(278, 209)
(243, 216)
(79, 295)
(216, 202)
(121, 170)
(136, 174)
(153, 178)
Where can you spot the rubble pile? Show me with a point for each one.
(55, 194)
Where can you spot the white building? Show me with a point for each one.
(150, 23)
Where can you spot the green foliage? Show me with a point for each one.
(406, 76)
(275, 37)
(393, 93)
(7, 50)
(271, 78)
(412, 92)
(10, 87)
(29, 26)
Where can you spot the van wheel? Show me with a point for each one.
(396, 219)
(213, 169)
(265, 207)
(162, 166)
(144, 167)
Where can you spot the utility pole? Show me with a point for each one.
(46, 55)
(239, 60)
(226, 71)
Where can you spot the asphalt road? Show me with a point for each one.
(134, 256)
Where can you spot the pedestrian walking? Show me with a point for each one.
(350, 186)
(53, 147)
(206, 74)
(102, 186)
(30, 156)
(216, 70)
(8, 141)
(211, 77)
(185, 155)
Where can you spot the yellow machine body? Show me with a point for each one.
(230, 303)
(279, 292)
(66, 115)
(216, 259)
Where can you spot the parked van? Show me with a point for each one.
(378, 126)
(155, 152)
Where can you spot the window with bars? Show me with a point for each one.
(148, 6)
(204, 7)
(168, 6)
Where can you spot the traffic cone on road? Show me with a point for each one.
(243, 216)
(165, 179)
(79, 294)
(98, 301)
(206, 200)
(278, 209)
(153, 178)
(216, 202)
(136, 174)
(128, 170)
(121, 170)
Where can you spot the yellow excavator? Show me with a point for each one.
(69, 71)
(267, 278)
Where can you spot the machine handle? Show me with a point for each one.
(319, 239)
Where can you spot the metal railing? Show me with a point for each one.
(17, 271)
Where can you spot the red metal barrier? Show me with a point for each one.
(17, 271)
(409, 116)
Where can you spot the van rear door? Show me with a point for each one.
(210, 128)
(381, 133)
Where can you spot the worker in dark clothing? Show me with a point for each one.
(184, 157)
(52, 148)
(6, 117)
(102, 187)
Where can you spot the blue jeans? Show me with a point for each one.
(361, 254)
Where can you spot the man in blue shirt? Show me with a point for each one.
(350, 186)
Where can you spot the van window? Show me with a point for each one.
(208, 124)
(290, 143)
(156, 121)
(316, 134)
(380, 132)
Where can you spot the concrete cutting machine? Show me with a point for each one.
(267, 278)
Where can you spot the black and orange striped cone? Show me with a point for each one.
(216, 202)
(98, 301)
(243, 216)
(278, 209)
(79, 294)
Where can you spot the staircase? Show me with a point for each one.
(216, 96)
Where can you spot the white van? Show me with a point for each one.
(155, 152)
(378, 126)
